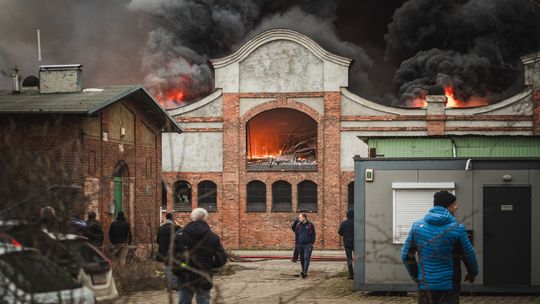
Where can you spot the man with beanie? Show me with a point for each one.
(441, 243)
(163, 239)
(346, 230)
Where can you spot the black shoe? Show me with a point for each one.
(304, 275)
(294, 260)
(350, 278)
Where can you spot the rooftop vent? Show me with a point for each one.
(62, 78)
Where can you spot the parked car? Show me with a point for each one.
(26, 276)
(96, 271)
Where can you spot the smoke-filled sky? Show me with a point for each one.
(400, 47)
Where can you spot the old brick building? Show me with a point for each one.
(279, 134)
(106, 140)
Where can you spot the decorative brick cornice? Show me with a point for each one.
(281, 102)
(198, 119)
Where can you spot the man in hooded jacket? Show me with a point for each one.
(441, 243)
(346, 230)
(197, 250)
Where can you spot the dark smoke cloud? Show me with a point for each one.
(474, 45)
(189, 33)
(102, 35)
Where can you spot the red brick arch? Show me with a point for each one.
(282, 104)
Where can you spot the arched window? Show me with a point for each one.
(350, 195)
(307, 196)
(182, 196)
(207, 195)
(256, 196)
(163, 196)
(281, 196)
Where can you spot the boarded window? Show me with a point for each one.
(148, 138)
(281, 196)
(207, 195)
(256, 196)
(411, 202)
(307, 196)
(182, 196)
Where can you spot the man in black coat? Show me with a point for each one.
(346, 230)
(295, 252)
(120, 232)
(163, 240)
(93, 230)
(197, 250)
(306, 238)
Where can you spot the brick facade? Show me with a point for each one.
(536, 111)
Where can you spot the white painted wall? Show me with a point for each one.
(192, 152)
(351, 145)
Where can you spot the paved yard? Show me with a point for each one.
(276, 281)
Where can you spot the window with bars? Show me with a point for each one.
(350, 195)
(182, 196)
(256, 196)
(207, 195)
(281, 196)
(307, 196)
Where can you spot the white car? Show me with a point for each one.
(26, 276)
(96, 270)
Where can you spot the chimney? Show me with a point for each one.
(531, 64)
(15, 82)
(62, 78)
(436, 101)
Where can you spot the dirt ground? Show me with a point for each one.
(277, 281)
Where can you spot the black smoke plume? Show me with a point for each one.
(473, 45)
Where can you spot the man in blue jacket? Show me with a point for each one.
(306, 238)
(441, 243)
(346, 230)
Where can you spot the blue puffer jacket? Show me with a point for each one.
(441, 243)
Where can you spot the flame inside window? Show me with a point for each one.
(282, 136)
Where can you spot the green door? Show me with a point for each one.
(117, 195)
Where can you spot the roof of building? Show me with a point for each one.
(87, 102)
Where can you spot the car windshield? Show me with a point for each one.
(32, 272)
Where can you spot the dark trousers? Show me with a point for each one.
(348, 254)
(305, 255)
(438, 297)
(295, 252)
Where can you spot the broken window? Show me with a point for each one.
(256, 196)
(207, 195)
(182, 196)
(281, 196)
(307, 196)
(281, 139)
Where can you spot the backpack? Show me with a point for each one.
(181, 256)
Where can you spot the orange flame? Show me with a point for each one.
(171, 96)
(451, 100)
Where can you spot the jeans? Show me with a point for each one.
(295, 253)
(348, 254)
(438, 297)
(305, 255)
(169, 276)
(186, 296)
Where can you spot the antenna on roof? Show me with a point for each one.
(39, 47)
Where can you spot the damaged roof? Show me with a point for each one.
(86, 102)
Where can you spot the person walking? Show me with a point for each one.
(441, 243)
(346, 230)
(306, 238)
(163, 239)
(93, 230)
(197, 250)
(295, 252)
(120, 235)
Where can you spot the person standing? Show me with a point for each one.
(163, 240)
(441, 243)
(120, 236)
(346, 230)
(93, 230)
(306, 238)
(197, 250)
(295, 252)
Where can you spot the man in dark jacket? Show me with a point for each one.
(197, 250)
(163, 240)
(346, 230)
(306, 238)
(441, 243)
(295, 252)
(93, 230)
(120, 232)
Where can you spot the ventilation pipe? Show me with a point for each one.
(15, 81)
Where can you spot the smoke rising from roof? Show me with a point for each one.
(473, 45)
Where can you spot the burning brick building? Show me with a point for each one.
(106, 141)
(279, 133)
